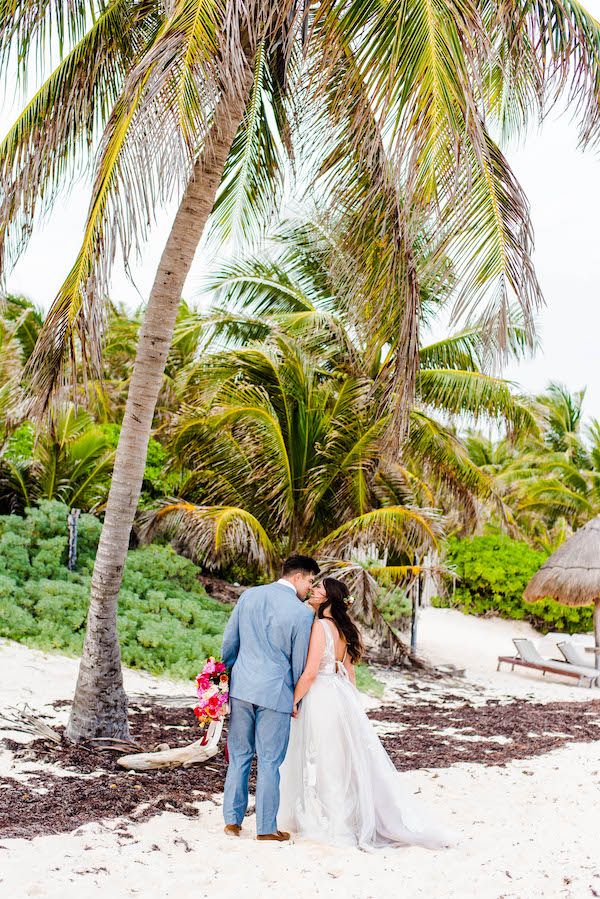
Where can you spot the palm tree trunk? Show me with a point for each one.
(100, 702)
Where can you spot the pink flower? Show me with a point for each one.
(213, 692)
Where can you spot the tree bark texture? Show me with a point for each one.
(100, 704)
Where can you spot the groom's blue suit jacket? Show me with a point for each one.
(265, 646)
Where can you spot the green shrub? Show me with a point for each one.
(158, 482)
(493, 572)
(14, 556)
(367, 682)
(396, 608)
(49, 558)
(166, 622)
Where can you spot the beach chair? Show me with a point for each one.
(528, 657)
(575, 656)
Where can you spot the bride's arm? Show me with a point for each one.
(316, 648)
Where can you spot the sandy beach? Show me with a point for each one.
(528, 825)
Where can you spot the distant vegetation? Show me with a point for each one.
(492, 573)
(167, 624)
(269, 433)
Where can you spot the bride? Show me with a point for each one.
(338, 784)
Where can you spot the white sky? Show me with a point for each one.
(563, 187)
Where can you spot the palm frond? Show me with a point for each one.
(397, 528)
(214, 535)
(492, 240)
(41, 26)
(145, 155)
(48, 146)
(473, 393)
(253, 178)
(261, 286)
(474, 349)
(547, 50)
(444, 458)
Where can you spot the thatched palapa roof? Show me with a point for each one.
(571, 575)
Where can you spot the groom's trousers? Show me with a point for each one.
(254, 729)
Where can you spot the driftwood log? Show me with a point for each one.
(193, 754)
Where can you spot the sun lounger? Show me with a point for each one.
(528, 657)
(575, 656)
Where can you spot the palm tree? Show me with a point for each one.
(285, 435)
(70, 460)
(204, 98)
(549, 479)
(286, 456)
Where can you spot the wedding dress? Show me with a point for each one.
(338, 784)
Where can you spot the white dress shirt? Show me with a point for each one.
(286, 583)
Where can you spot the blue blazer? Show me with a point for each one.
(265, 646)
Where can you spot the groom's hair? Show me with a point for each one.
(300, 563)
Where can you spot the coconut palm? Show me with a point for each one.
(285, 434)
(189, 97)
(290, 289)
(550, 479)
(70, 460)
(288, 453)
(286, 456)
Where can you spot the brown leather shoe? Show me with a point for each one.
(279, 836)
(233, 830)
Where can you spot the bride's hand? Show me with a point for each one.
(295, 710)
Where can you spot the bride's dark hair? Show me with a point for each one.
(337, 594)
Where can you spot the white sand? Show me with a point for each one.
(446, 636)
(528, 830)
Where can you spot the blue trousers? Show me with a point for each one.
(253, 729)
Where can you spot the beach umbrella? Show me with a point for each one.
(571, 575)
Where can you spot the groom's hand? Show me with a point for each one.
(295, 710)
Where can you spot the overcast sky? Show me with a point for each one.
(563, 187)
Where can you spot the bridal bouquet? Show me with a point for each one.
(213, 692)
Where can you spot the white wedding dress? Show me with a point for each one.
(338, 784)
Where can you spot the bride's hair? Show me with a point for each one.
(337, 596)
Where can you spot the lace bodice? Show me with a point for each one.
(329, 664)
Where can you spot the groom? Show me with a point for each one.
(265, 646)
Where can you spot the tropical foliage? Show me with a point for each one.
(396, 100)
(492, 572)
(550, 480)
(210, 101)
(69, 454)
(286, 427)
(167, 623)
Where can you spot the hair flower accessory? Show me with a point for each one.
(349, 600)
